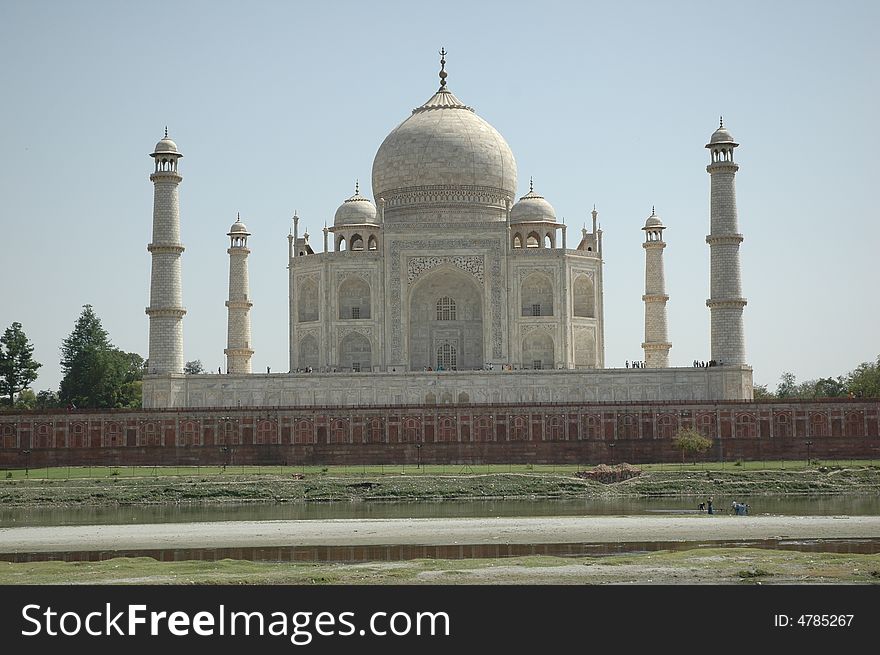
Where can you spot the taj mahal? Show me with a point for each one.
(445, 287)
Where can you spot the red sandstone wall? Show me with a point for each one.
(467, 434)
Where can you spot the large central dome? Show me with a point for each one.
(444, 153)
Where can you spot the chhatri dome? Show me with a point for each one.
(532, 208)
(444, 144)
(357, 210)
(166, 145)
(653, 220)
(238, 227)
(721, 135)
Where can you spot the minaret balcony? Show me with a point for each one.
(724, 239)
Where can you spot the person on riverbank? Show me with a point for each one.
(709, 509)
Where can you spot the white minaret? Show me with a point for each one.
(726, 301)
(656, 345)
(166, 305)
(238, 335)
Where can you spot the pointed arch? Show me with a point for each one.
(538, 351)
(536, 292)
(307, 301)
(819, 425)
(746, 426)
(484, 429)
(355, 353)
(339, 432)
(584, 296)
(447, 358)
(447, 429)
(782, 425)
(411, 430)
(308, 352)
(446, 307)
(354, 298)
(519, 429)
(302, 432)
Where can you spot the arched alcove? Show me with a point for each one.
(538, 351)
(354, 298)
(584, 297)
(537, 295)
(446, 308)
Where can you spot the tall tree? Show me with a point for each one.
(97, 374)
(787, 387)
(864, 381)
(18, 368)
(829, 387)
(47, 399)
(761, 392)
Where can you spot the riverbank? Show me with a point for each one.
(714, 566)
(704, 565)
(200, 487)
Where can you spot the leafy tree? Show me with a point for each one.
(18, 369)
(787, 387)
(690, 441)
(829, 387)
(864, 381)
(131, 368)
(26, 399)
(762, 393)
(194, 367)
(97, 374)
(47, 399)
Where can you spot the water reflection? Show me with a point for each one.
(861, 505)
(391, 553)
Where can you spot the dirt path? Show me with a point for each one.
(350, 532)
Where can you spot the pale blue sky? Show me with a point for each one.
(279, 106)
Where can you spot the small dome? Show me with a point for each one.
(653, 221)
(166, 145)
(532, 208)
(238, 228)
(357, 210)
(721, 135)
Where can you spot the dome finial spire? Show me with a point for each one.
(166, 131)
(357, 186)
(531, 184)
(652, 210)
(720, 121)
(443, 72)
(238, 217)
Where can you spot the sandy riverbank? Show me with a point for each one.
(352, 532)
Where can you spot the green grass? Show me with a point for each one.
(283, 485)
(110, 472)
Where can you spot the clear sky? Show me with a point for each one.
(280, 106)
